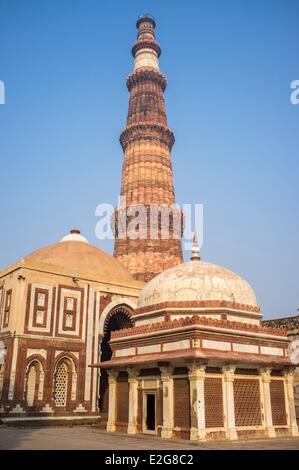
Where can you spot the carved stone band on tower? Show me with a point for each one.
(147, 170)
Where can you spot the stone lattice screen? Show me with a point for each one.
(213, 402)
(247, 402)
(181, 400)
(277, 395)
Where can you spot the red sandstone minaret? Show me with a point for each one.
(147, 171)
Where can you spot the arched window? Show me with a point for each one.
(61, 384)
(32, 383)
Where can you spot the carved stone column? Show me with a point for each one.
(197, 401)
(41, 385)
(13, 371)
(74, 384)
(266, 401)
(229, 401)
(133, 400)
(167, 384)
(290, 401)
(112, 379)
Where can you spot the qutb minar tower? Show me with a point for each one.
(147, 178)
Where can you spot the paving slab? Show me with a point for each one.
(92, 438)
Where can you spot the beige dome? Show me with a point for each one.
(74, 256)
(197, 281)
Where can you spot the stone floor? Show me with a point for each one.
(93, 438)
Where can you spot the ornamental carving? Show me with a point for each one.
(198, 303)
(195, 320)
(148, 131)
(146, 44)
(145, 75)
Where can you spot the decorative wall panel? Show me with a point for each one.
(70, 311)
(7, 307)
(1, 305)
(40, 308)
(39, 315)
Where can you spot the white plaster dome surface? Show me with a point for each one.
(197, 281)
(74, 236)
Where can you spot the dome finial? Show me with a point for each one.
(195, 249)
(75, 230)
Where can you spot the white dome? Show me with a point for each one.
(197, 281)
(74, 236)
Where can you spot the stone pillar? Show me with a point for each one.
(13, 370)
(290, 401)
(167, 384)
(266, 401)
(99, 352)
(74, 384)
(1, 379)
(229, 401)
(41, 385)
(197, 401)
(112, 379)
(133, 400)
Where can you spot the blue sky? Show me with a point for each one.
(229, 65)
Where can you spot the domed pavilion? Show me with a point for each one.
(197, 363)
(59, 305)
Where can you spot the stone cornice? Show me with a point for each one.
(193, 354)
(146, 74)
(200, 304)
(146, 44)
(195, 320)
(289, 323)
(200, 311)
(147, 130)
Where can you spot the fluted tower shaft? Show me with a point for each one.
(147, 170)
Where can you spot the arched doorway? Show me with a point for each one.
(31, 384)
(118, 319)
(34, 383)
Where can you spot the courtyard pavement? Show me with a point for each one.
(93, 438)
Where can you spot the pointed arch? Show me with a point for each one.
(34, 381)
(117, 315)
(65, 379)
(61, 384)
(127, 304)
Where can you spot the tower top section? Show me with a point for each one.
(145, 18)
(146, 49)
